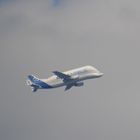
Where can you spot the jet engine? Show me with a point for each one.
(79, 84)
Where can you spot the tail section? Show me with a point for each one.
(32, 78)
(36, 83)
(32, 81)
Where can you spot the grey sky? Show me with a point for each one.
(37, 37)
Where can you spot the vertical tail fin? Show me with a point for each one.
(32, 78)
(31, 81)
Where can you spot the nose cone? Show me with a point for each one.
(100, 74)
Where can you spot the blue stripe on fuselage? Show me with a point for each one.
(42, 84)
(38, 82)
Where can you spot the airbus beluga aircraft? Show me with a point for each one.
(74, 77)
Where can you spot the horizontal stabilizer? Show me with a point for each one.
(34, 88)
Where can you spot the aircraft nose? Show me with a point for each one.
(100, 74)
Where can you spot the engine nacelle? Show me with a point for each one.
(79, 84)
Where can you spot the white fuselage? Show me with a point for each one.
(79, 74)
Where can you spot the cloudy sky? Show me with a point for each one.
(38, 37)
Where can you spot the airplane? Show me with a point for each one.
(74, 77)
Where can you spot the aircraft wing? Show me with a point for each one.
(62, 75)
(68, 86)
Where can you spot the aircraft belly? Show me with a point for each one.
(86, 77)
(56, 83)
(59, 82)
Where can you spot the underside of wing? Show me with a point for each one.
(69, 86)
